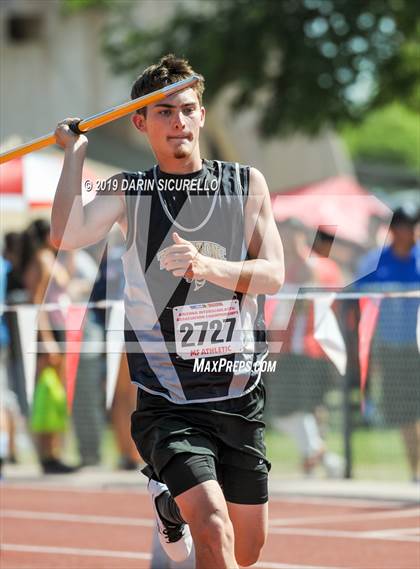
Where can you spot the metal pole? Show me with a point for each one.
(348, 381)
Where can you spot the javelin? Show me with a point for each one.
(101, 118)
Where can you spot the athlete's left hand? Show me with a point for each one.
(184, 259)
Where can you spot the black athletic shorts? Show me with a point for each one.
(185, 445)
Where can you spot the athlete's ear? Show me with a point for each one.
(139, 121)
(203, 116)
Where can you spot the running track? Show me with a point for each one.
(43, 528)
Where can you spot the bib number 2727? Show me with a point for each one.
(204, 330)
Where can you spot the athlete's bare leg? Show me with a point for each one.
(250, 525)
(204, 508)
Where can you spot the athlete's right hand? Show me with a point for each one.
(66, 138)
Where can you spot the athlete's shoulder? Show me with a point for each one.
(234, 175)
(227, 164)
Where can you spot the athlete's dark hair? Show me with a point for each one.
(169, 70)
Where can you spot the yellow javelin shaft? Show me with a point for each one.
(101, 118)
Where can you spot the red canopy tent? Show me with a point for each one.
(339, 202)
(30, 182)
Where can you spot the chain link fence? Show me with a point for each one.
(322, 423)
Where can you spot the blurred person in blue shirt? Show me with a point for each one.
(4, 340)
(9, 409)
(397, 268)
(5, 268)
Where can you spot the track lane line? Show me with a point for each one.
(353, 502)
(77, 518)
(149, 522)
(392, 532)
(85, 552)
(388, 534)
(326, 533)
(406, 513)
(273, 565)
(275, 497)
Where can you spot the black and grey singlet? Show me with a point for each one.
(189, 342)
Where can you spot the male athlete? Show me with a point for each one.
(202, 249)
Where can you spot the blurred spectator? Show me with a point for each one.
(8, 404)
(13, 379)
(88, 405)
(110, 286)
(397, 268)
(15, 294)
(13, 242)
(46, 281)
(303, 374)
(122, 407)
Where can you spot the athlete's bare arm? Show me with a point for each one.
(263, 274)
(72, 225)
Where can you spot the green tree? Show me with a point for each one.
(75, 5)
(390, 134)
(301, 64)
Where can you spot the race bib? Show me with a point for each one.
(205, 330)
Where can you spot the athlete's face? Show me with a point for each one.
(173, 125)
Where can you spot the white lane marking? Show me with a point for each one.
(74, 551)
(272, 565)
(109, 488)
(392, 532)
(309, 532)
(128, 490)
(77, 518)
(354, 502)
(344, 517)
(44, 549)
(147, 522)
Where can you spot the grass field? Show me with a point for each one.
(378, 454)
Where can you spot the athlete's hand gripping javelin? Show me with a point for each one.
(66, 138)
(184, 259)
